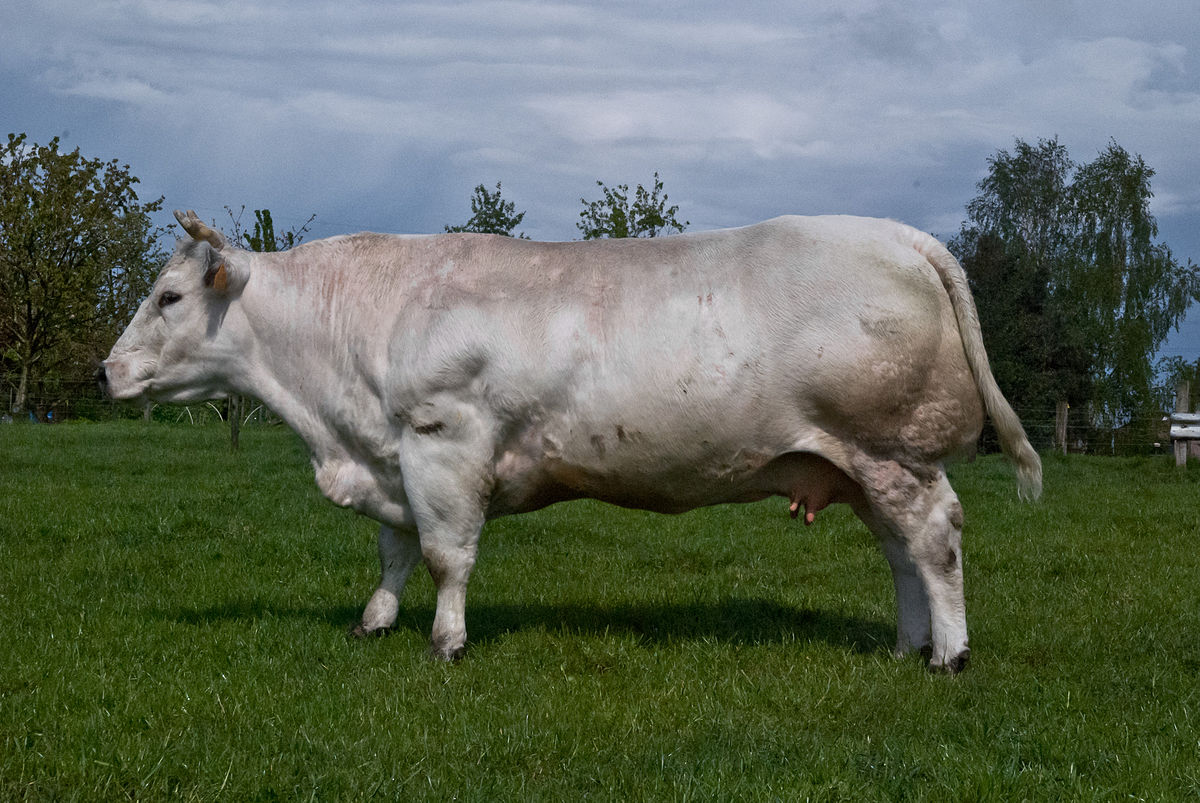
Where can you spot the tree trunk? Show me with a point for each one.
(18, 406)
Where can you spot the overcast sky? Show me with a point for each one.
(384, 116)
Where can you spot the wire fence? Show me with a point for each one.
(83, 400)
(1147, 433)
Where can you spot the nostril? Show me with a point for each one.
(102, 376)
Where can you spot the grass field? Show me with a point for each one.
(173, 625)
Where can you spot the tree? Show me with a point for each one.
(1172, 371)
(1129, 288)
(491, 214)
(1074, 295)
(263, 237)
(77, 254)
(613, 216)
(1036, 356)
(1016, 243)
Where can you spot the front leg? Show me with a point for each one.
(399, 553)
(450, 524)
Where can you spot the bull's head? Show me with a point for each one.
(177, 348)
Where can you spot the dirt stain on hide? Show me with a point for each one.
(628, 435)
(882, 328)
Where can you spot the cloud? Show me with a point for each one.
(357, 108)
(761, 123)
(121, 90)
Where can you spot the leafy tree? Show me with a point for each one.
(1129, 289)
(1172, 371)
(1017, 241)
(77, 254)
(613, 216)
(491, 214)
(1074, 295)
(1036, 356)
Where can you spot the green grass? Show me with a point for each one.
(173, 625)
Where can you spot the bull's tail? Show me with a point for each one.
(1012, 435)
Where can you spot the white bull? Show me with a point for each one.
(440, 381)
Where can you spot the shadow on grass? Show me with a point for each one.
(736, 620)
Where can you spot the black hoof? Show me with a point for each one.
(450, 656)
(360, 632)
(955, 665)
(959, 662)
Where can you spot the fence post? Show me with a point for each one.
(1060, 426)
(1182, 392)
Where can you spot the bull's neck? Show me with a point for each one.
(311, 357)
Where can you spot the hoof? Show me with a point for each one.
(959, 662)
(450, 655)
(955, 665)
(359, 631)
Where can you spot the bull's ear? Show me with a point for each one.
(217, 277)
(221, 275)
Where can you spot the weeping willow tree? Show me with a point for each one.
(1075, 292)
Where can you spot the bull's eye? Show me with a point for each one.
(168, 298)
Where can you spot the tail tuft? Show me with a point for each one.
(1029, 469)
(1029, 481)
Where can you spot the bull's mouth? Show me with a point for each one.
(135, 394)
(116, 382)
(142, 390)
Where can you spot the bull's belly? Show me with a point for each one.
(664, 482)
(662, 492)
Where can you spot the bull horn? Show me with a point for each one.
(195, 227)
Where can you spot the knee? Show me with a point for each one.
(448, 565)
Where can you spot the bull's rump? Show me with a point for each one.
(673, 373)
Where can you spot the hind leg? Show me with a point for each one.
(447, 479)
(918, 521)
(912, 600)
